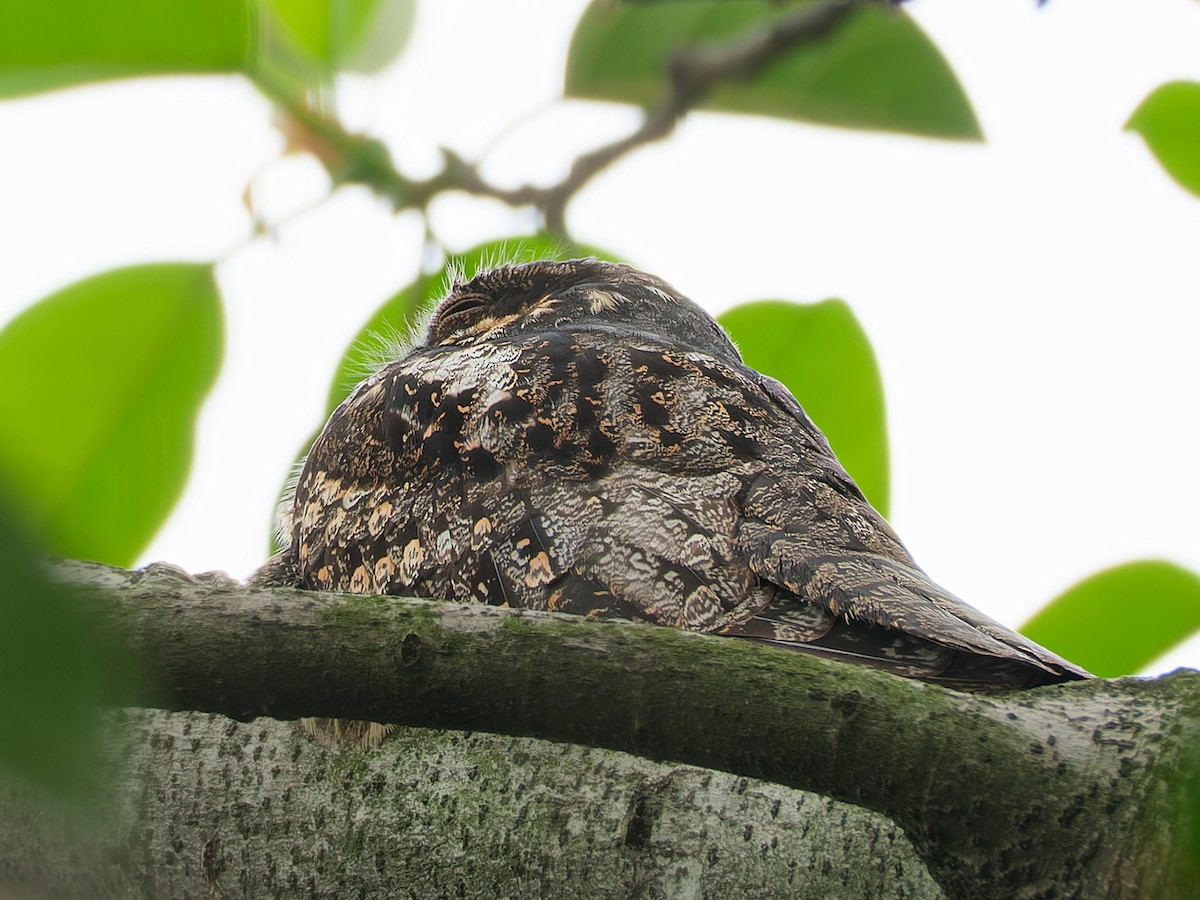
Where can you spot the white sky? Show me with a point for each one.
(1033, 301)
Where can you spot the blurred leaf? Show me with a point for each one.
(47, 44)
(821, 353)
(877, 71)
(311, 23)
(391, 325)
(1120, 620)
(378, 36)
(1169, 121)
(363, 35)
(103, 383)
(53, 671)
(380, 340)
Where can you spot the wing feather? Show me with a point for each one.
(611, 473)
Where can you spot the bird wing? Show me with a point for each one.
(806, 527)
(520, 474)
(608, 473)
(619, 545)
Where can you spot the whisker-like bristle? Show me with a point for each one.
(285, 510)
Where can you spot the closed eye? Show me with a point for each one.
(461, 305)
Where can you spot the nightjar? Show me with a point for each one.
(577, 436)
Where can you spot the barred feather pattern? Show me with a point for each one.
(580, 437)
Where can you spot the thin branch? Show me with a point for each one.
(693, 72)
(1092, 775)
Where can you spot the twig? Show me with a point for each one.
(693, 72)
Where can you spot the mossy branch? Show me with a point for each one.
(1078, 787)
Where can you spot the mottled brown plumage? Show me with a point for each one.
(577, 436)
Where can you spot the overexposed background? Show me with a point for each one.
(1033, 300)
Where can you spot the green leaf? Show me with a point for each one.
(363, 35)
(394, 324)
(390, 326)
(877, 71)
(821, 353)
(47, 44)
(1169, 121)
(1120, 620)
(103, 383)
(54, 672)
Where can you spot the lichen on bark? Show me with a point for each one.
(1084, 789)
(212, 807)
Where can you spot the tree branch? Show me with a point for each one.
(693, 72)
(1079, 788)
(196, 805)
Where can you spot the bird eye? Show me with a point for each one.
(455, 314)
(461, 305)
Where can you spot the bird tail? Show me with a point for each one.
(878, 611)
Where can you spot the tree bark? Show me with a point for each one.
(1085, 789)
(217, 808)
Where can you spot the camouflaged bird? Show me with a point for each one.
(577, 436)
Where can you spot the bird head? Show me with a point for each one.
(577, 293)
